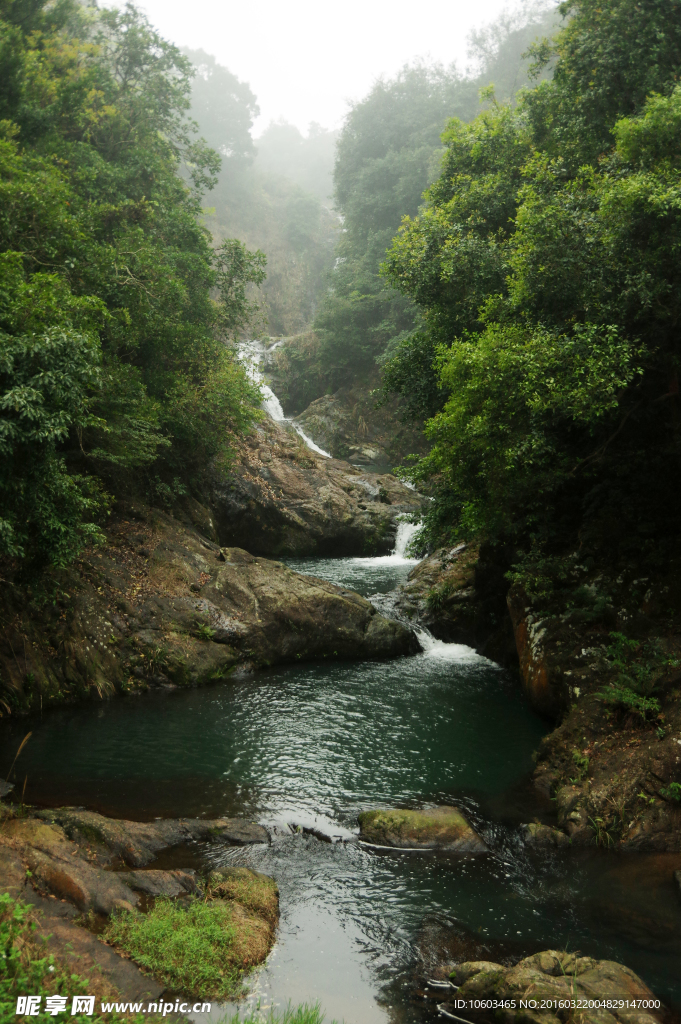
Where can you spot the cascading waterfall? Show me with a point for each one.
(250, 354)
(405, 534)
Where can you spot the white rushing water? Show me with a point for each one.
(251, 354)
(398, 555)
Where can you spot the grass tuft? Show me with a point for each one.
(26, 966)
(200, 949)
(306, 1013)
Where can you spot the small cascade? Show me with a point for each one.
(250, 354)
(405, 533)
(433, 648)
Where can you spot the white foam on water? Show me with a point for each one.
(398, 556)
(250, 354)
(433, 648)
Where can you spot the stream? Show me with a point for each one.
(303, 749)
(307, 747)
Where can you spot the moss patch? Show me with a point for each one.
(441, 827)
(255, 892)
(201, 949)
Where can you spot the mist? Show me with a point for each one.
(307, 61)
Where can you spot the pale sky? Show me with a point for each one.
(304, 59)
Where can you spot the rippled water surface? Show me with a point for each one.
(309, 747)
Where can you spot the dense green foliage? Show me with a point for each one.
(27, 967)
(389, 151)
(115, 311)
(545, 265)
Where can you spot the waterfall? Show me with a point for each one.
(250, 354)
(405, 532)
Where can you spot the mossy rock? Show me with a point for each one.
(255, 892)
(201, 948)
(439, 828)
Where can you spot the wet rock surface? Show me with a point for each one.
(611, 773)
(70, 864)
(549, 976)
(284, 499)
(459, 595)
(440, 828)
(68, 852)
(162, 605)
(349, 425)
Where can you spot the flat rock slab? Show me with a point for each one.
(67, 851)
(136, 843)
(162, 883)
(441, 828)
(554, 975)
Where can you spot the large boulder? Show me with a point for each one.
(283, 499)
(161, 604)
(439, 828)
(548, 978)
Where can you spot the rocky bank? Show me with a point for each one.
(601, 658)
(459, 595)
(75, 868)
(281, 498)
(542, 988)
(160, 604)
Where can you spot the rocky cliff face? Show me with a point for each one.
(283, 499)
(349, 425)
(161, 604)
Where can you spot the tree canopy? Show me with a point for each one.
(545, 266)
(389, 151)
(115, 310)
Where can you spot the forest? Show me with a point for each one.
(340, 615)
(505, 272)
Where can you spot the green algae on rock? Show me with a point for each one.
(439, 828)
(549, 981)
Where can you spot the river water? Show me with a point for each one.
(303, 749)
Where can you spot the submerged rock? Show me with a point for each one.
(440, 828)
(549, 976)
(536, 834)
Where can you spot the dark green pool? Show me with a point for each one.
(311, 746)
